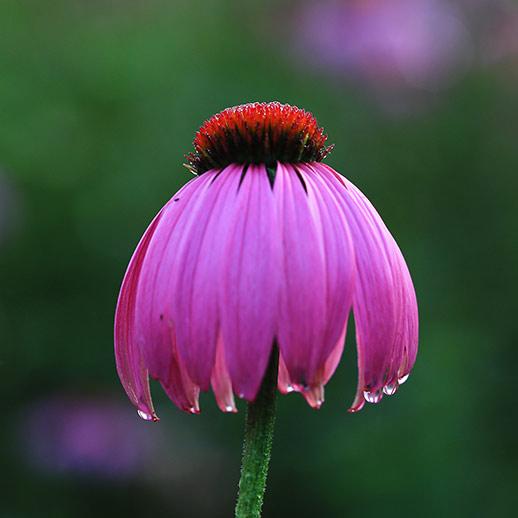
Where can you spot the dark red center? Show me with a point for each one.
(258, 133)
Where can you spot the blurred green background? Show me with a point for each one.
(99, 102)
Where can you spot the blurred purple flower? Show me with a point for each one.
(97, 438)
(396, 44)
(85, 436)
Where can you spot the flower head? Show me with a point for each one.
(266, 247)
(258, 133)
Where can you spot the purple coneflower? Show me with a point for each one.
(399, 47)
(263, 255)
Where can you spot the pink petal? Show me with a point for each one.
(328, 369)
(129, 359)
(196, 272)
(250, 283)
(153, 317)
(178, 386)
(385, 307)
(338, 252)
(317, 272)
(314, 395)
(221, 383)
(284, 383)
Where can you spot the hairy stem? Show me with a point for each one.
(257, 445)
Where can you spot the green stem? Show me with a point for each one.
(257, 445)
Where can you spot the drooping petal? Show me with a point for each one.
(317, 269)
(303, 289)
(314, 394)
(284, 383)
(178, 385)
(404, 346)
(250, 282)
(196, 273)
(128, 356)
(338, 255)
(385, 308)
(153, 317)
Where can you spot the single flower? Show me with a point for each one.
(266, 248)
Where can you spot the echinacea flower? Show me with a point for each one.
(266, 248)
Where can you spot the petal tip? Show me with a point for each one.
(314, 396)
(146, 416)
(356, 406)
(194, 410)
(230, 409)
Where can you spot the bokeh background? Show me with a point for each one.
(99, 102)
